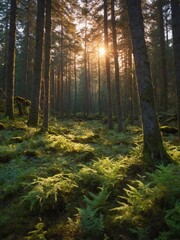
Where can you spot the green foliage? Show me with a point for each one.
(91, 224)
(54, 173)
(97, 201)
(106, 171)
(14, 177)
(152, 205)
(91, 217)
(38, 233)
(47, 192)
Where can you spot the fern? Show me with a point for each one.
(45, 191)
(92, 223)
(38, 233)
(97, 201)
(91, 217)
(172, 219)
(151, 204)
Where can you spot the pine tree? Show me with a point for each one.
(153, 150)
(11, 61)
(35, 100)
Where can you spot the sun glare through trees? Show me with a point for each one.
(102, 51)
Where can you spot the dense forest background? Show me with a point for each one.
(89, 119)
(77, 63)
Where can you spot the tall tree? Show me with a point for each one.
(108, 76)
(47, 49)
(35, 100)
(153, 149)
(11, 61)
(116, 65)
(24, 89)
(175, 6)
(163, 57)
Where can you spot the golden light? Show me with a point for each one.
(102, 51)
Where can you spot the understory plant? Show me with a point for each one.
(48, 193)
(150, 208)
(91, 217)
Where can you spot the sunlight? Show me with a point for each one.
(102, 51)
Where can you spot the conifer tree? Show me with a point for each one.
(35, 100)
(153, 150)
(175, 6)
(11, 61)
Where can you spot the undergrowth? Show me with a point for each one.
(81, 181)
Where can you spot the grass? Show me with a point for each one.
(81, 181)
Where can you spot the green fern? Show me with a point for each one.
(97, 201)
(91, 217)
(152, 203)
(91, 222)
(38, 233)
(46, 191)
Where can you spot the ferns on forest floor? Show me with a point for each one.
(46, 192)
(152, 204)
(44, 169)
(91, 217)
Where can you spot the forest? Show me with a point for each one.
(89, 120)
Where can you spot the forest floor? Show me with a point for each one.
(81, 181)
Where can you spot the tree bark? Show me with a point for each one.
(153, 150)
(175, 6)
(11, 61)
(108, 76)
(164, 93)
(47, 64)
(116, 65)
(35, 100)
(24, 88)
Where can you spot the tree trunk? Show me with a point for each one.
(35, 100)
(175, 6)
(24, 88)
(11, 61)
(4, 75)
(99, 85)
(75, 84)
(116, 65)
(47, 64)
(61, 104)
(163, 58)
(153, 149)
(109, 98)
(86, 92)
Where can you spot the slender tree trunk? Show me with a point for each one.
(163, 58)
(99, 85)
(52, 91)
(116, 64)
(47, 64)
(175, 6)
(86, 93)
(75, 85)
(153, 149)
(35, 100)
(4, 77)
(109, 97)
(24, 88)
(130, 75)
(62, 75)
(11, 61)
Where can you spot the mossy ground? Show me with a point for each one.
(82, 181)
